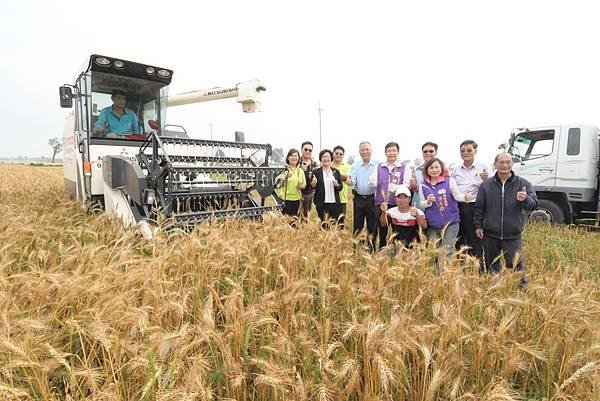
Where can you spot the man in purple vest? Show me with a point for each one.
(385, 179)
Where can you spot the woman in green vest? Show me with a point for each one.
(293, 182)
(344, 169)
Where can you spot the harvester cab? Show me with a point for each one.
(120, 154)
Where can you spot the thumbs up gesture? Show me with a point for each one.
(468, 197)
(484, 175)
(313, 182)
(522, 194)
(413, 180)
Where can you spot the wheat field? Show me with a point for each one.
(261, 311)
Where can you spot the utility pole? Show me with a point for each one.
(320, 109)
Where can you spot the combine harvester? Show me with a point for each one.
(160, 169)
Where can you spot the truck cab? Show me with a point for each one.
(561, 162)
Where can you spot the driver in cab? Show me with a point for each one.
(117, 121)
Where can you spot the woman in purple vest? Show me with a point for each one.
(439, 197)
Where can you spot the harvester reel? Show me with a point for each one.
(199, 183)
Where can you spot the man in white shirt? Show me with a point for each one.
(469, 176)
(364, 210)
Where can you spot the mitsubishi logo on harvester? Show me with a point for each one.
(220, 91)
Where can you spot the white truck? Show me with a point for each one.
(134, 175)
(562, 164)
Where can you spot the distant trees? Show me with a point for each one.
(56, 145)
(277, 156)
(220, 153)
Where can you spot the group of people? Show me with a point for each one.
(469, 206)
(307, 182)
(465, 207)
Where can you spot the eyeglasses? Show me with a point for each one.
(429, 151)
(307, 150)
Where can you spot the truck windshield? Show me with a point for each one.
(532, 145)
(122, 106)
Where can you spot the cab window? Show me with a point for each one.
(138, 96)
(532, 145)
(99, 102)
(574, 142)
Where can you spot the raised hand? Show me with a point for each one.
(522, 194)
(413, 180)
(430, 199)
(413, 211)
(484, 174)
(313, 182)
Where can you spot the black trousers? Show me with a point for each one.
(342, 217)
(329, 211)
(364, 211)
(382, 231)
(495, 248)
(306, 203)
(290, 208)
(466, 231)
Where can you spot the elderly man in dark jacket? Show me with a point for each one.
(500, 214)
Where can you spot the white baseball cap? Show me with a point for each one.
(403, 189)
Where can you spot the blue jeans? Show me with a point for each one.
(450, 232)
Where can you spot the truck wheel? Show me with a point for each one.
(548, 211)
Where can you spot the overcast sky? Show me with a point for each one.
(404, 71)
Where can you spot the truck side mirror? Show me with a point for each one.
(66, 97)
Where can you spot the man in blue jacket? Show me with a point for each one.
(117, 120)
(500, 214)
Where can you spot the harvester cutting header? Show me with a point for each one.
(121, 155)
